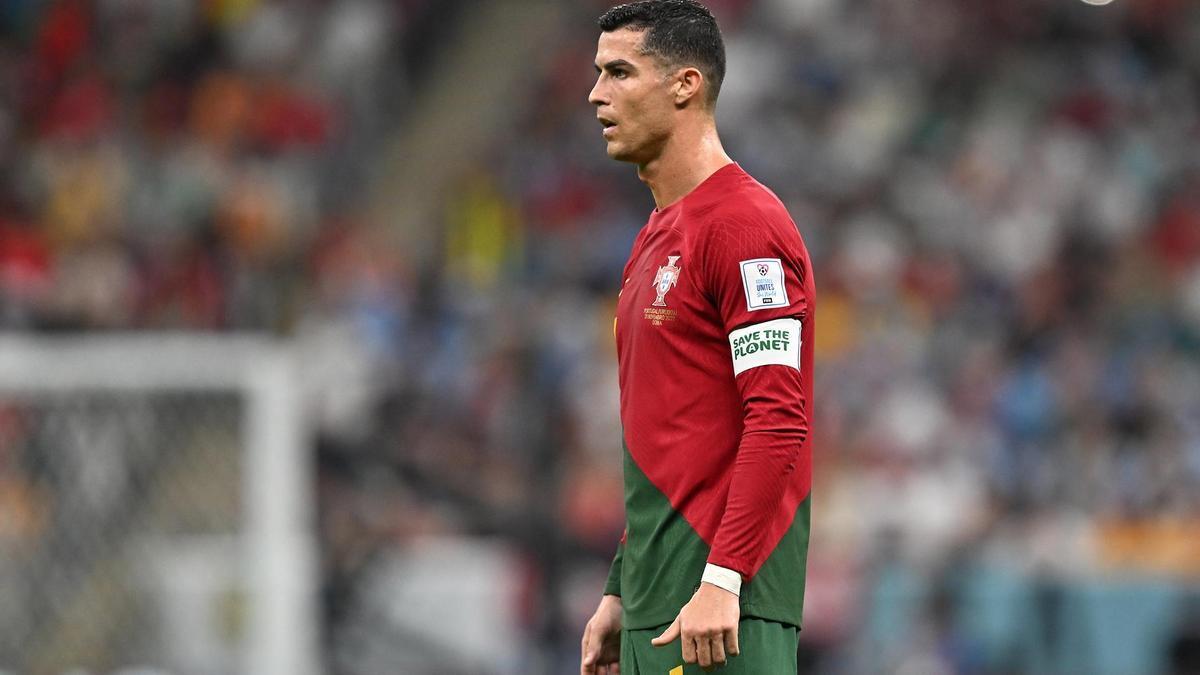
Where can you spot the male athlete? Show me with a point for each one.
(714, 339)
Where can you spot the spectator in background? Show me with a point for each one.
(999, 198)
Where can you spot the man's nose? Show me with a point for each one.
(596, 97)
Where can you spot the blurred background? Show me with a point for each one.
(410, 200)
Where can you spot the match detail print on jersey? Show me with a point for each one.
(774, 342)
(763, 279)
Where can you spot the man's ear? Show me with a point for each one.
(689, 82)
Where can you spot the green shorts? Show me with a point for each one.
(767, 648)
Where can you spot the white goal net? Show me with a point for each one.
(155, 508)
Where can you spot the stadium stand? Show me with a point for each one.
(1002, 201)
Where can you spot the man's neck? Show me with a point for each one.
(687, 159)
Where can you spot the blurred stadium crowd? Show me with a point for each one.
(1002, 202)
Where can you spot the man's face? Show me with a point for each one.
(632, 97)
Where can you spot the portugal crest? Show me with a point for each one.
(665, 280)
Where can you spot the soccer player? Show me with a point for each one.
(714, 335)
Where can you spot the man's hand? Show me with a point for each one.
(709, 626)
(601, 648)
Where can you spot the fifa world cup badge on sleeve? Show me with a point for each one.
(665, 280)
(763, 279)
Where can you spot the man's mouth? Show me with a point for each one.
(607, 124)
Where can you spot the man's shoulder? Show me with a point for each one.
(738, 200)
(742, 207)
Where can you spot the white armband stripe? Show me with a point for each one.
(774, 342)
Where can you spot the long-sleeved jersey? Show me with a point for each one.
(714, 336)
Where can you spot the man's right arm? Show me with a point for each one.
(601, 646)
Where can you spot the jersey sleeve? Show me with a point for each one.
(613, 585)
(753, 272)
(754, 275)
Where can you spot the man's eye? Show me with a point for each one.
(619, 74)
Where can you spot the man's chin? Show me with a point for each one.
(620, 153)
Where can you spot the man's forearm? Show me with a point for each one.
(768, 455)
(760, 478)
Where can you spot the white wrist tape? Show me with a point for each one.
(722, 577)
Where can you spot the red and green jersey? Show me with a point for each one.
(714, 338)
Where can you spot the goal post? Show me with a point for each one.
(159, 509)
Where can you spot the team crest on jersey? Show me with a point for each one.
(665, 280)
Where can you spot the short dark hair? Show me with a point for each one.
(680, 32)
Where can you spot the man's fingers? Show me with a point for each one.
(689, 650)
(587, 654)
(703, 651)
(718, 650)
(689, 647)
(668, 635)
(731, 641)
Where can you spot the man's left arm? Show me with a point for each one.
(758, 291)
(776, 425)
(775, 428)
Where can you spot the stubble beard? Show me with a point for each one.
(640, 154)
